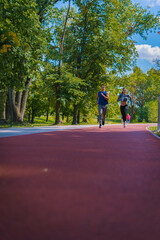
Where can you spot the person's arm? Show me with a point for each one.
(130, 98)
(119, 98)
(106, 97)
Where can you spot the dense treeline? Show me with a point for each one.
(144, 90)
(53, 60)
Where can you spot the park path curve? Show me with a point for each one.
(81, 184)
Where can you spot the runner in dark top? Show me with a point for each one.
(102, 101)
(124, 97)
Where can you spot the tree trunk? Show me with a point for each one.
(57, 88)
(32, 120)
(29, 116)
(47, 115)
(57, 121)
(4, 111)
(24, 98)
(75, 114)
(2, 106)
(11, 103)
(8, 112)
(16, 106)
(18, 102)
(78, 117)
(64, 31)
(18, 98)
(57, 85)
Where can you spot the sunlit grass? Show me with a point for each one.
(154, 130)
(41, 121)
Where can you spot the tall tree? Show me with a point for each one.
(57, 85)
(22, 48)
(100, 39)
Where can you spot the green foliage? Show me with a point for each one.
(152, 107)
(21, 42)
(98, 45)
(144, 89)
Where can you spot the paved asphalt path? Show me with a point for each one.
(8, 132)
(81, 184)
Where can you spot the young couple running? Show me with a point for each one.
(102, 101)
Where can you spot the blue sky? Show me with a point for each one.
(149, 49)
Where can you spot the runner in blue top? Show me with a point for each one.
(102, 101)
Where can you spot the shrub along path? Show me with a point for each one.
(90, 184)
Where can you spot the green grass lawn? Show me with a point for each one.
(41, 121)
(154, 130)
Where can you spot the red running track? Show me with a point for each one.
(86, 184)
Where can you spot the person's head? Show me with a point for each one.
(103, 88)
(124, 91)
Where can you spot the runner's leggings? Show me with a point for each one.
(102, 109)
(124, 110)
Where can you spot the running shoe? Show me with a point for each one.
(100, 125)
(103, 122)
(124, 124)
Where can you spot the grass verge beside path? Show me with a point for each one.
(154, 130)
(41, 122)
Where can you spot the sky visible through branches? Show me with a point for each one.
(148, 49)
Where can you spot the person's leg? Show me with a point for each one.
(100, 115)
(125, 115)
(104, 114)
(122, 112)
(125, 112)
